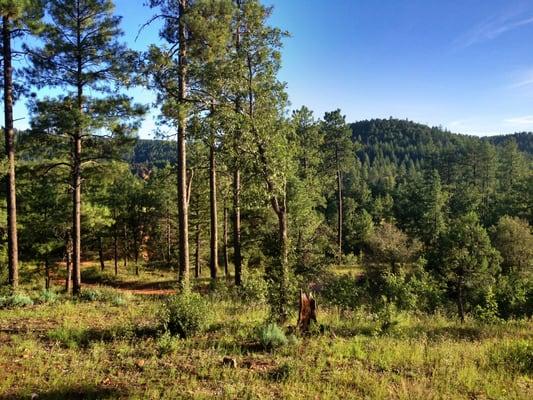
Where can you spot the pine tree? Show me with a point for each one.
(18, 18)
(82, 54)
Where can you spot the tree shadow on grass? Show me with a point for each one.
(84, 392)
(82, 337)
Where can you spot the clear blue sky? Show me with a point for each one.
(464, 64)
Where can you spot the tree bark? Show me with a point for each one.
(283, 237)
(237, 250)
(12, 241)
(125, 247)
(197, 265)
(68, 259)
(213, 245)
(76, 215)
(339, 215)
(460, 302)
(169, 240)
(115, 249)
(225, 239)
(76, 164)
(101, 252)
(183, 212)
(47, 272)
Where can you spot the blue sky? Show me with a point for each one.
(466, 65)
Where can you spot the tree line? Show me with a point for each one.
(247, 185)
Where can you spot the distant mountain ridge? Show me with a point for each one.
(395, 139)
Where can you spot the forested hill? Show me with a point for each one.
(524, 140)
(403, 140)
(397, 140)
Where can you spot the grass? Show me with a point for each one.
(102, 350)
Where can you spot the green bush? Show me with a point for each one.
(103, 295)
(186, 314)
(515, 357)
(342, 291)
(47, 296)
(253, 289)
(272, 337)
(15, 300)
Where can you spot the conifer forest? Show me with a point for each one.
(244, 248)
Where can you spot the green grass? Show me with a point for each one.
(98, 349)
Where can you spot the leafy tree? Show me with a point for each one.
(338, 151)
(82, 54)
(468, 262)
(512, 237)
(19, 17)
(388, 244)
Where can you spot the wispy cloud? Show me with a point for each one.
(526, 120)
(522, 79)
(492, 28)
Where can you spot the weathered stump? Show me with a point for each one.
(307, 312)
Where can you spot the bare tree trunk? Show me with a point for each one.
(237, 255)
(237, 251)
(213, 243)
(101, 252)
(76, 172)
(284, 261)
(12, 241)
(125, 247)
(115, 250)
(76, 216)
(183, 212)
(339, 215)
(68, 259)
(460, 302)
(47, 272)
(226, 269)
(197, 264)
(169, 240)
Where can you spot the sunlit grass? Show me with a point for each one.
(98, 349)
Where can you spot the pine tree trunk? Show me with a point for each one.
(101, 252)
(213, 245)
(12, 241)
(68, 259)
(226, 269)
(237, 251)
(76, 216)
(76, 166)
(47, 272)
(283, 261)
(197, 265)
(115, 250)
(460, 302)
(183, 213)
(169, 241)
(339, 215)
(125, 248)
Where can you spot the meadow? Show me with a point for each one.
(109, 343)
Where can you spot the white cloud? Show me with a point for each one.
(520, 121)
(492, 28)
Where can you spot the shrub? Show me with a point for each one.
(104, 295)
(342, 291)
(186, 314)
(515, 357)
(272, 337)
(47, 296)
(167, 344)
(15, 300)
(281, 373)
(253, 290)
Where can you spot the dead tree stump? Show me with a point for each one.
(307, 312)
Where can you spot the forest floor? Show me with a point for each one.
(113, 347)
